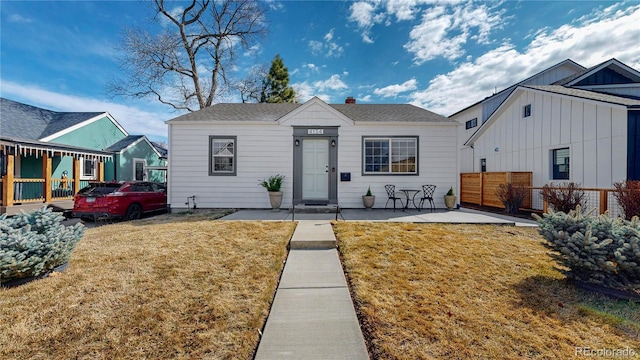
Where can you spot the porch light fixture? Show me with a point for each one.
(333, 143)
(297, 142)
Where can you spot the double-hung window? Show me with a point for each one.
(88, 169)
(390, 155)
(560, 164)
(222, 155)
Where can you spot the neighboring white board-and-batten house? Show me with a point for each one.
(583, 128)
(328, 153)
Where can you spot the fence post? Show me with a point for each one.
(481, 189)
(545, 206)
(604, 201)
(46, 172)
(8, 193)
(76, 175)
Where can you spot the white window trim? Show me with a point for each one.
(390, 140)
(94, 175)
(144, 171)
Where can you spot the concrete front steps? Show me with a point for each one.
(311, 234)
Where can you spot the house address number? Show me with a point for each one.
(315, 131)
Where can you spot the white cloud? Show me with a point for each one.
(394, 90)
(305, 91)
(312, 67)
(587, 42)
(333, 83)
(444, 27)
(329, 35)
(444, 30)
(366, 98)
(134, 119)
(328, 48)
(363, 13)
(17, 18)
(316, 46)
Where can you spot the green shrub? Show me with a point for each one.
(563, 197)
(512, 196)
(628, 195)
(33, 243)
(596, 249)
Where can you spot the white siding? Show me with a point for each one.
(264, 150)
(466, 153)
(189, 165)
(594, 132)
(437, 162)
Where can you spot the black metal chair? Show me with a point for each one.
(427, 195)
(391, 193)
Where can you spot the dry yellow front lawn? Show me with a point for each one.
(434, 291)
(177, 289)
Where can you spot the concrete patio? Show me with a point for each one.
(459, 216)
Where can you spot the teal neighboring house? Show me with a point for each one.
(47, 156)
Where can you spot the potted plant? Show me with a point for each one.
(274, 185)
(450, 199)
(368, 199)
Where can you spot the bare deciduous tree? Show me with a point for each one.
(189, 63)
(251, 86)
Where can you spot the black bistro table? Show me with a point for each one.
(411, 195)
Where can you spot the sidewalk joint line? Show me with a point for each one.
(312, 287)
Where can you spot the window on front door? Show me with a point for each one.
(396, 156)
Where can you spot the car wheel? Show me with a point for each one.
(134, 212)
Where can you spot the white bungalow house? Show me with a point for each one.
(328, 153)
(582, 127)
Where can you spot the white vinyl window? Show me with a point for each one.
(88, 169)
(395, 156)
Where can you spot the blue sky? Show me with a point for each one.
(440, 55)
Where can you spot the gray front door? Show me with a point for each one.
(315, 169)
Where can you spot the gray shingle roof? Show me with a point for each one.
(29, 122)
(388, 112)
(240, 112)
(160, 148)
(586, 94)
(273, 112)
(122, 144)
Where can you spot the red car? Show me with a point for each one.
(127, 200)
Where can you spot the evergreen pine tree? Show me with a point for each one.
(275, 88)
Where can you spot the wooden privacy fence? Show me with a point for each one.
(480, 188)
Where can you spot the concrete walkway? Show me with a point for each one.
(312, 316)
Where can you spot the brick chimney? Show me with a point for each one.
(350, 100)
